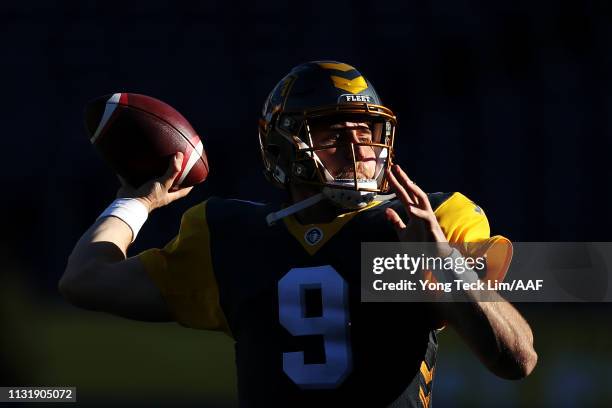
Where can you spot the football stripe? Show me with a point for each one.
(191, 161)
(110, 107)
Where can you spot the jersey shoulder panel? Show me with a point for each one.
(460, 218)
(225, 214)
(436, 199)
(465, 223)
(183, 272)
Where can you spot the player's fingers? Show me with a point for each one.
(406, 183)
(175, 195)
(173, 170)
(415, 190)
(419, 212)
(394, 218)
(399, 190)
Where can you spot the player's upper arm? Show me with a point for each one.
(175, 283)
(121, 288)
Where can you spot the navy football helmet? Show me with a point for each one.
(324, 91)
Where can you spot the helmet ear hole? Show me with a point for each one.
(270, 156)
(288, 124)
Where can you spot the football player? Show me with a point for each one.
(284, 280)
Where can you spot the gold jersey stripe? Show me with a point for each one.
(183, 272)
(426, 372)
(425, 398)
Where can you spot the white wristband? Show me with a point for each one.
(130, 210)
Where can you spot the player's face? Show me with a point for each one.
(338, 160)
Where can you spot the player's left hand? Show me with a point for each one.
(422, 223)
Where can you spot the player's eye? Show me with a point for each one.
(364, 134)
(331, 138)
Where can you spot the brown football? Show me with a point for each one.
(137, 136)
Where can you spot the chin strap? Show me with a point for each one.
(292, 209)
(350, 199)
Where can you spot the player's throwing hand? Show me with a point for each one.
(157, 192)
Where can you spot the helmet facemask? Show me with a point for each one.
(349, 172)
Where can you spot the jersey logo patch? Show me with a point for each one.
(313, 236)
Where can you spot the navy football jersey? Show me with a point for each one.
(289, 296)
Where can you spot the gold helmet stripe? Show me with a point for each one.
(354, 86)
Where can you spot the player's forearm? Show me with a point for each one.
(93, 246)
(104, 243)
(498, 334)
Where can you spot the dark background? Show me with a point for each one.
(505, 101)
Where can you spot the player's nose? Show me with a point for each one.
(350, 135)
(361, 152)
